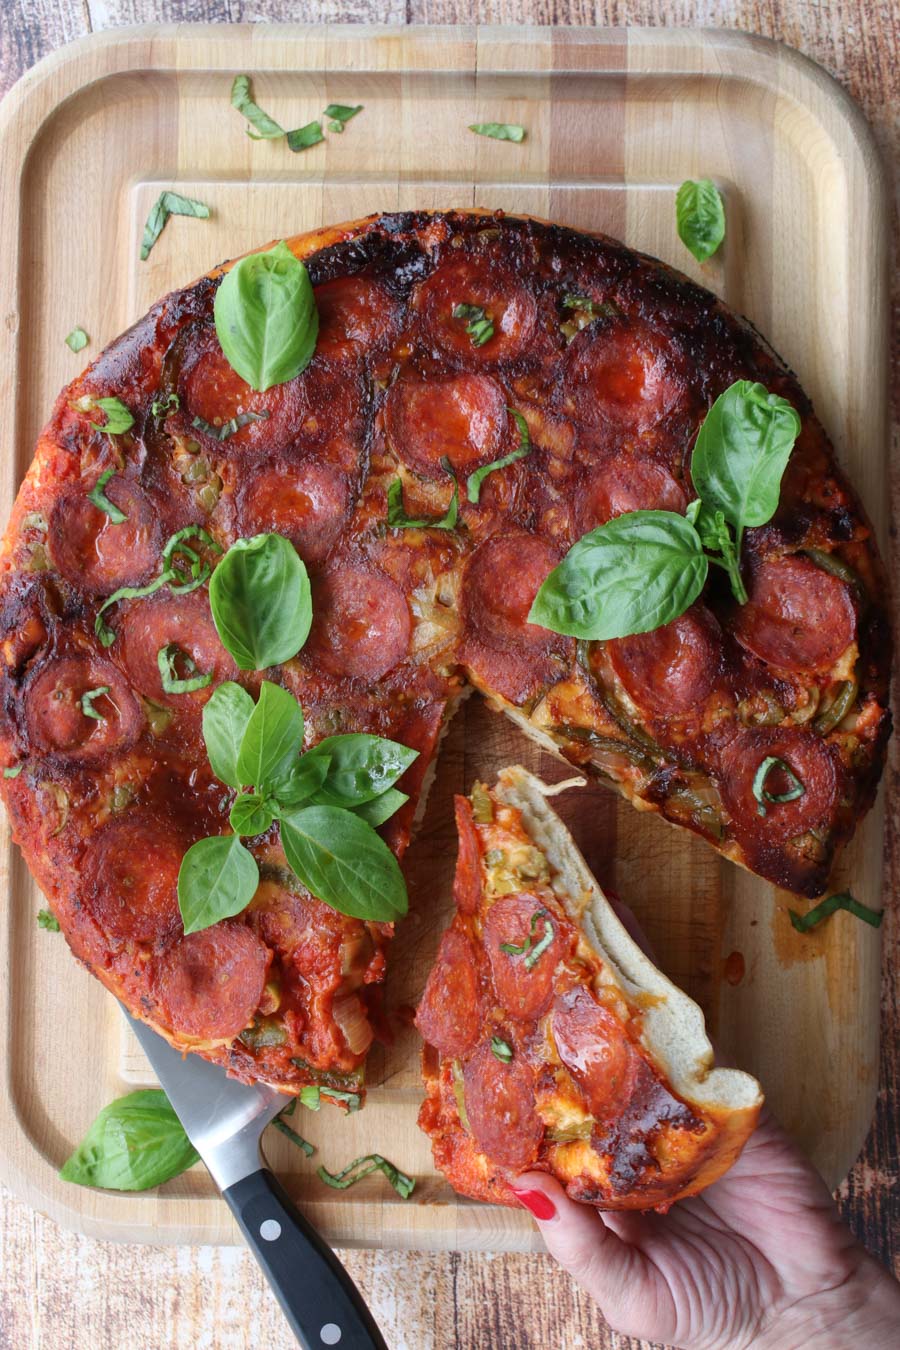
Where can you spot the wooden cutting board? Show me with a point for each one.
(616, 120)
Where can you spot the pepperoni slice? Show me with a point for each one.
(509, 306)
(467, 881)
(619, 371)
(354, 313)
(60, 723)
(671, 669)
(91, 551)
(448, 1016)
(209, 983)
(596, 1049)
(362, 623)
(306, 502)
(809, 759)
(463, 419)
(159, 620)
(500, 1105)
(510, 655)
(798, 617)
(132, 875)
(522, 991)
(319, 404)
(627, 483)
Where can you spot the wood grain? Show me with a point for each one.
(61, 1290)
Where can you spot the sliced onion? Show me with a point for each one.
(350, 1017)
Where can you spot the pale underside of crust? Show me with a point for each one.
(674, 1032)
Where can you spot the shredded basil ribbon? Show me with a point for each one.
(165, 660)
(77, 340)
(118, 417)
(14, 771)
(99, 498)
(474, 480)
(306, 136)
(606, 309)
(341, 114)
(178, 582)
(229, 428)
(501, 1049)
(311, 1097)
(87, 702)
(479, 327)
(349, 1175)
(169, 204)
(397, 518)
(294, 1137)
(161, 406)
(761, 792)
(528, 949)
(47, 920)
(499, 131)
(804, 922)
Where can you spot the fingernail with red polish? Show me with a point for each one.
(541, 1206)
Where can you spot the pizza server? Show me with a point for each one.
(224, 1120)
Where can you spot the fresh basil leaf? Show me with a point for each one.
(47, 920)
(262, 126)
(804, 922)
(380, 809)
(266, 317)
(168, 204)
(700, 217)
(118, 418)
(250, 815)
(261, 601)
(363, 1167)
(99, 499)
(397, 519)
(136, 1142)
(166, 658)
(635, 573)
(217, 879)
(303, 137)
(227, 429)
(499, 131)
(340, 112)
(361, 767)
(741, 453)
(272, 739)
(343, 862)
(307, 775)
(474, 480)
(87, 702)
(77, 340)
(225, 719)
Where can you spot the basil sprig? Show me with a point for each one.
(475, 479)
(644, 568)
(261, 601)
(169, 204)
(397, 518)
(326, 802)
(99, 499)
(700, 217)
(136, 1142)
(266, 317)
(804, 922)
(363, 1167)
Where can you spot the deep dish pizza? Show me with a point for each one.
(482, 392)
(552, 1041)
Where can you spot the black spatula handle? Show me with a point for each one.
(319, 1299)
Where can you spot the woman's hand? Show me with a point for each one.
(761, 1258)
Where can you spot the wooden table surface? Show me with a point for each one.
(61, 1290)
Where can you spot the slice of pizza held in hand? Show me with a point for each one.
(552, 1041)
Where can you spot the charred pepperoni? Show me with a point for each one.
(161, 620)
(95, 554)
(500, 1106)
(467, 880)
(798, 616)
(672, 669)
(449, 1015)
(209, 984)
(306, 502)
(626, 483)
(132, 875)
(596, 1050)
(619, 372)
(463, 419)
(355, 314)
(809, 760)
(509, 654)
(362, 623)
(81, 708)
(508, 306)
(524, 986)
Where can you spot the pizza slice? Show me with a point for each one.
(552, 1041)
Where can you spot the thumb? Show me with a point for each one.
(613, 1273)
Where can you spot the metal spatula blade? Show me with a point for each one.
(224, 1121)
